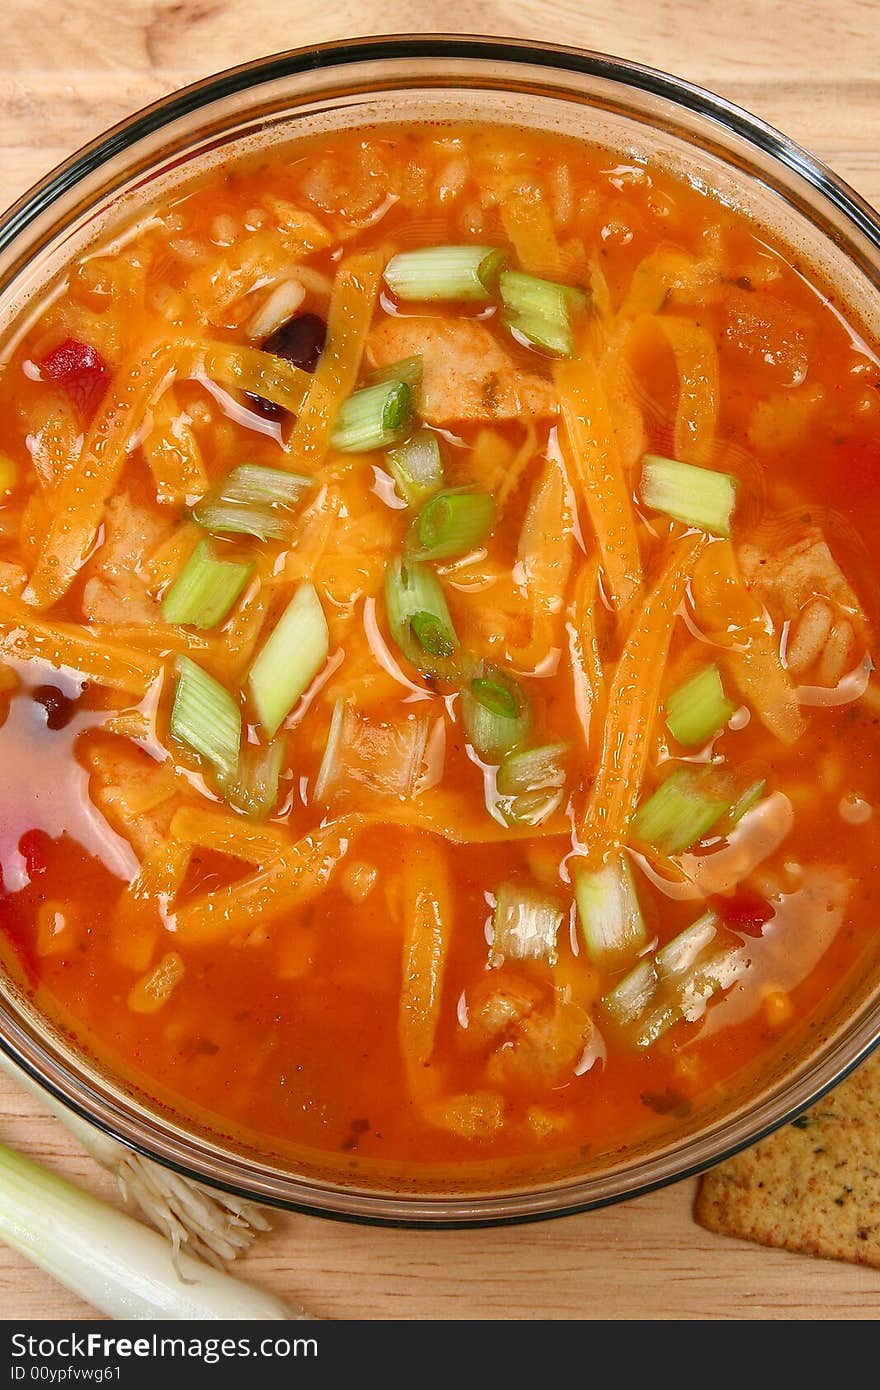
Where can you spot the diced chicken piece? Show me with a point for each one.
(467, 374)
(137, 795)
(116, 592)
(535, 1039)
(802, 584)
(12, 578)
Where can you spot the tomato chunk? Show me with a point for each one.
(81, 371)
(746, 912)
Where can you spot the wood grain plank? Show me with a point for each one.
(812, 70)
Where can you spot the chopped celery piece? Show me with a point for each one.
(533, 769)
(495, 712)
(253, 786)
(373, 418)
(451, 523)
(418, 616)
(525, 923)
(205, 716)
(609, 913)
(408, 370)
(205, 590)
(384, 756)
(540, 310)
(697, 496)
(290, 659)
(681, 953)
(417, 467)
(699, 708)
(682, 810)
(253, 501)
(462, 273)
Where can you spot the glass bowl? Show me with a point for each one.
(639, 113)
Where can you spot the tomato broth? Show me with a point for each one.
(436, 609)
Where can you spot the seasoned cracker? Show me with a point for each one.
(812, 1187)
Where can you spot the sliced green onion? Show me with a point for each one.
(408, 369)
(749, 798)
(609, 913)
(699, 708)
(530, 808)
(452, 523)
(417, 467)
(697, 496)
(290, 659)
(373, 418)
(533, 769)
(682, 810)
(205, 590)
(418, 616)
(540, 310)
(525, 923)
(495, 712)
(676, 985)
(205, 716)
(253, 501)
(253, 786)
(462, 273)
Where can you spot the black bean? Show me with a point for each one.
(300, 341)
(58, 706)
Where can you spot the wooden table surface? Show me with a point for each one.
(813, 69)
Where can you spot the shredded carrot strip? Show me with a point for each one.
(529, 229)
(661, 272)
(135, 928)
(10, 524)
(427, 904)
(736, 621)
(272, 892)
(106, 662)
(633, 702)
(157, 637)
(588, 673)
(699, 383)
(248, 369)
(152, 991)
(512, 474)
(228, 834)
(441, 812)
(544, 564)
(79, 500)
(590, 434)
(351, 312)
(173, 454)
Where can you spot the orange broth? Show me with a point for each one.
(370, 1019)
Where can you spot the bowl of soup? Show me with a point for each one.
(438, 587)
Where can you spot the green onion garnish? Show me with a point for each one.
(540, 310)
(205, 716)
(749, 798)
(290, 659)
(495, 712)
(683, 809)
(609, 913)
(533, 769)
(417, 467)
(252, 501)
(451, 523)
(408, 369)
(253, 786)
(373, 418)
(699, 708)
(418, 616)
(525, 923)
(463, 273)
(697, 496)
(205, 590)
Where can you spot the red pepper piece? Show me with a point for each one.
(32, 847)
(746, 912)
(81, 371)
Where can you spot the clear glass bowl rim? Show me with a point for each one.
(334, 1200)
